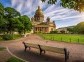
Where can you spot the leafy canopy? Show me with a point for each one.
(80, 27)
(1, 9)
(71, 4)
(11, 21)
(11, 12)
(26, 23)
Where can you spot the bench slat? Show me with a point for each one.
(32, 45)
(53, 49)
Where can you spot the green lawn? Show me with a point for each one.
(13, 59)
(72, 38)
(1, 38)
(2, 48)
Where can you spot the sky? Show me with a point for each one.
(63, 17)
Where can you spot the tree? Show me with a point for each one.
(11, 21)
(71, 4)
(54, 32)
(3, 24)
(1, 9)
(11, 12)
(3, 21)
(71, 29)
(26, 23)
(14, 25)
(10, 15)
(79, 28)
(50, 1)
(62, 31)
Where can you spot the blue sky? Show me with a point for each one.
(62, 16)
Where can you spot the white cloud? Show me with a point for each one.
(55, 12)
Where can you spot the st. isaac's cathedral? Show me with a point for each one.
(39, 25)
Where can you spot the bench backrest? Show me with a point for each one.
(32, 45)
(46, 48)
(53, 49)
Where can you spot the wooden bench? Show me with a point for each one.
(56, 50)
(43, 49)
(29, 45)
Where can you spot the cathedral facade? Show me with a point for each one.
(39, 25)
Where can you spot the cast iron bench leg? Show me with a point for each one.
(66, 54)
(25, 48)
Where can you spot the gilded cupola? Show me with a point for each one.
(39, 12)
(39, 16)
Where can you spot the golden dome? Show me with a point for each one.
(39, 12)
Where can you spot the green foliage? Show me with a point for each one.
(53, 32)
(79, 28)
(71, 4)
(26, 23)
(2, 48)
(14, 24)
(8, 37)
(13, 59)
(3, 24)
(1, 9)
(50, 1)
(11, 12)
(62, 32)
(71, 30)
(8, 21)
(11, 21)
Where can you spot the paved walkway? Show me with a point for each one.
(4, 55)
(17, 48)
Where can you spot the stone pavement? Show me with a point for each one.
(4, 55)
(17, 48)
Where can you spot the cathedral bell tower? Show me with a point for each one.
(39, 17)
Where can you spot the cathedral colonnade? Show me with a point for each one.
(41, 29)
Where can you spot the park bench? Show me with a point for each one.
(43, 49)
(29, 45)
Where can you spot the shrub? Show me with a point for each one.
(2, 48)
(53, 32)
(62, 32)
(7, 37)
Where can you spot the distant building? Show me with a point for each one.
(39, 25)
(62, 29)
(65, 29)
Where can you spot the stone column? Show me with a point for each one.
(38, 28)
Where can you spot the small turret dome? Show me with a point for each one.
(48, 19)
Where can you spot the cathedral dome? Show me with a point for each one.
(39, 12)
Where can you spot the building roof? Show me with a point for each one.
(45, 24)
(39, 12)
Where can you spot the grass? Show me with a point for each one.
(1, 38)
(17, 36)
(2, 48)
(72, 38)
(13, 59)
